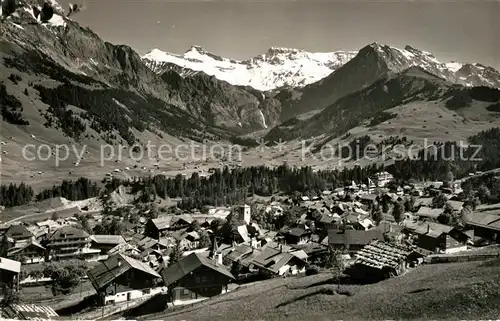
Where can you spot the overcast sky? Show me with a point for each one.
(452, 30)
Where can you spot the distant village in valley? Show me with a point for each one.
(103, 256)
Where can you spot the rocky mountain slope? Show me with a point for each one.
(278, 67)
(376, 61)
(369, 106)
(101, 78)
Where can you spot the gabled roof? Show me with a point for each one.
(430, 212)
(107, 239)
(272, 259)
(456, 205)
(353, 237)
(424, 201)
(298, 232)
(162, 223)
(430, 229)
(10, 265)
(188, 264)
(485, 220)
(19, 246)
(113, 267)
(68, 231)
(380, 254)
(239, 251)
(18, 231)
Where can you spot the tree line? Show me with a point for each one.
(16, 195)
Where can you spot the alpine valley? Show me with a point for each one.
(60, 83)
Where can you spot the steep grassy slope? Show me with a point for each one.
(444, 292)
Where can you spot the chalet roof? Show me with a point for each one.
(239, 251)
(430, 229)
(424, 201)
(485, 220)
(19, 246)
(456, 205)
(162, 223)
(298, 232)
(188, 264)
(272, 259)
(47, 223)
(379, 254)
(353, 237)
(183, 218)
(149, 242)
(113, 267)
(430, 212)
(386, 227)
(493, 208)
(10, 265)
(18, 231)
(107, 239)
(68, 231)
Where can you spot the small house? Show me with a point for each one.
(380, 260)
(195, 277)
(104, 243)
(439, 238)
(352, 240)
(18, 232)
(121, 278)
(276, 262)
(158, 226)
(486, 226)
(297, 235)
(28, 251)
(429, 213)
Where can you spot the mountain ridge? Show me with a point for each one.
(277, 67)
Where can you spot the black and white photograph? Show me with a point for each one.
(253, 160)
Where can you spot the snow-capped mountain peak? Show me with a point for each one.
(462, 73)
(275, 68)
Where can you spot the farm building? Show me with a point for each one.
(380, 260)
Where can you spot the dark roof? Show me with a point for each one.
(485, 220)
(298, 231)
(239, 251)
(113, 267)
(354, 237)
(386, 227)
(68, 231)
(272, 259)
(430, 229)
(19, 246)
(188, 264)
(18, 231)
